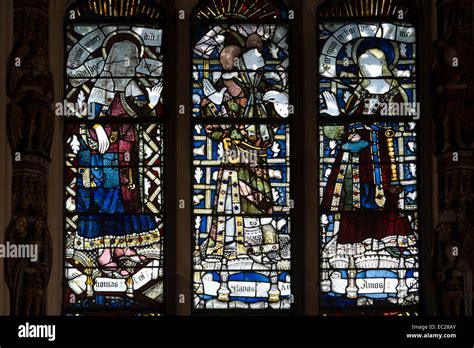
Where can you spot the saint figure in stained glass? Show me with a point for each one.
(112, 184)
(241, 149)
(367, 158)
(377, 88)
(116, 88)
(368, 130)
(243, 90)
(244, 190)
(114, 226)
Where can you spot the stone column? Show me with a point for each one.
(30, 126)
(182, 300)
(454, 107)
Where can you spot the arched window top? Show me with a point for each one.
(255, 10)
(100, 9)
(396, 9)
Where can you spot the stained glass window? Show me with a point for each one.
(368, 136)
(241, 155)
(114, 228)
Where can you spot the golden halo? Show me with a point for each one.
(121, 35)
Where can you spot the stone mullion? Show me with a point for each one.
(30, 125)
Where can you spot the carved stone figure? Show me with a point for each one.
(453, 81)
(28, 279)
(454, 267)
(31, 119)
(452, 77)
(30, 128)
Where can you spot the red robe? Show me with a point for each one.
(370, 220)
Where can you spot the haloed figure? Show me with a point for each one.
(377, 88)
(243, 189)
(108, 179)
(363, 184)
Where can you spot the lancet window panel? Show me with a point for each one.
(368, 156)
(114, 159)
(241, 132)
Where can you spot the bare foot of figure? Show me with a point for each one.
(129, 254)
(109, 266)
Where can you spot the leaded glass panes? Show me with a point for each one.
(368, 135)
(114, 135)
(241, 156)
